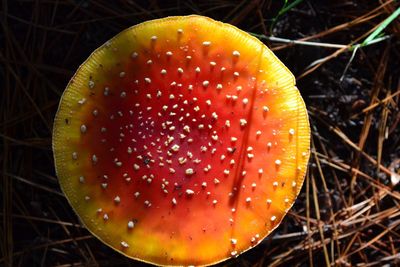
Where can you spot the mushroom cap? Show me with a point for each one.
(181, 141)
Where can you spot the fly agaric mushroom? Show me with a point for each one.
(181, 141)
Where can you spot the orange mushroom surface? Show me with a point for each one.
(181, 141)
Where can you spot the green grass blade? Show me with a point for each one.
(288, 7)
(381, 27)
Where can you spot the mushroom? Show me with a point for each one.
(181, 141)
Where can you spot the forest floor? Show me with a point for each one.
(346, 59)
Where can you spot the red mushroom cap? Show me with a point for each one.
(181, 141)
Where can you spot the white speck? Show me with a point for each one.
(265, 109)
(105, 217)
(275, 184)
(134, 55)
(137, 194)
(147, 80)
(260, 171)
(227, 123)
(219, 86)
(123, 94)
(131, 224)
(83, 128)
(94, 159)
(163, 71)
(226, 172)
(206, 43)
(117, 199)
(273, 218)
(81, 179)
(180, 70)
(82, 101)
(189, 192)
(106, 91)
(153, 38)
(147, 203)
(175, 148)
(149, 62)
(124, 244)
(291, 131)
(91, 84)
(118, 163)
(236, 53)
(204, 184)
(74, 155)
(122, 74)
(233, 241)
(206, 83)
(277, 162)
(294, 184)
(248, 200)
(180, 31)
(236, 74)
(245, 101)
(243, 122)
(269, 201)
(216, 181)
(234, 253)
(215, 202)
(197, 70)
(189, 171)
(174, 201)
(168, 53)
